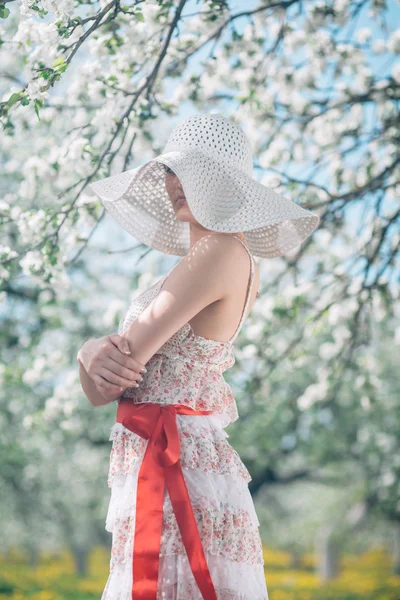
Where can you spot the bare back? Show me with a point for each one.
(219, 320)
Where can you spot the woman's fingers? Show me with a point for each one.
(122, 345)
(106, 388)
(109, 351)
(114, 378)
(105, 354)
(121, 365)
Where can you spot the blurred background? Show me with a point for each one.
(90, 88)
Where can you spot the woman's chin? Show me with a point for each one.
(183, 215)
(184, 219)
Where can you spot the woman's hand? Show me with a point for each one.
(107, 362)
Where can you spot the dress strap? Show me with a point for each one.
(249, 286)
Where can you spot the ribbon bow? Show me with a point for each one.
(161, 466)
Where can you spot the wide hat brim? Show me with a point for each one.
(220, 198)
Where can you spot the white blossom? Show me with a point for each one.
(393, 44)
(363, 35)
(378, 46)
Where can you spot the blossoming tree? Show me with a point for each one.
(92, 87)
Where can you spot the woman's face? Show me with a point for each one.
(179, 203)
(177, 196)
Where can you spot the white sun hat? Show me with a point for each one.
(212, 158)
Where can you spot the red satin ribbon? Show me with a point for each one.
(161, 466)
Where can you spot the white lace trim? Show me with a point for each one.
(232, 580)
(205, 490)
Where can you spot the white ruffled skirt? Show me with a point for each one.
(217, 482)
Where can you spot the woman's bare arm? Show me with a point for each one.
(205, 275)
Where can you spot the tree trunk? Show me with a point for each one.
(396, 548)
(327, 554)
(33, 556)
(81, 561)
(295, 559)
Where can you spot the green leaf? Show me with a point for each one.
(4, 12)
(139, 17)
(52, 258)
(38, 104)
(46, 73)
(62, 68)
(14, 98)
(58, 61)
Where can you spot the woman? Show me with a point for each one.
(183, 521)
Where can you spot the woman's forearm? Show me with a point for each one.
(90, 389)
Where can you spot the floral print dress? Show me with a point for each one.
(188, 369)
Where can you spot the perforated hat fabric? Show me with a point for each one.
(212, 157)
